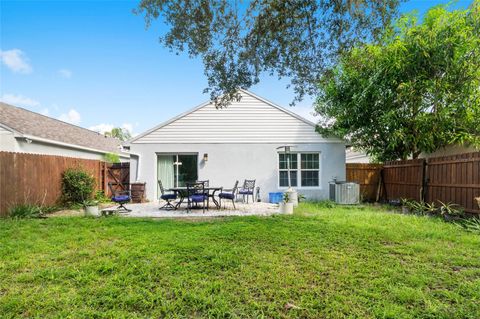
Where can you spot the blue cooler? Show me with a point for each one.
(275, 198)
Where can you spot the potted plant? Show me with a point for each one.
(91, 207)
(478, 201)
(451, 212)
(406, 205)
(293, 196)
(286, 206)
(301, 198)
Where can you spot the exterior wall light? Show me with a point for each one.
(205, 157)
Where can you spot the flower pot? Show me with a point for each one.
(286, 208)
(292, 196)
(91, 210)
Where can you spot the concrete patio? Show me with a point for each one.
(151, 209)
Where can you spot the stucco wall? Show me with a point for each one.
(230, 162)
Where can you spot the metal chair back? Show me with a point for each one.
(249, 184)
(205, 182)
(162, 190)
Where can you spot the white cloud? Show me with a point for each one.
(45, 112)
(19, 100)
(101, 128)
(106, 127)
(72, 117)
(65, 73)
(16, 60)
(128, 127)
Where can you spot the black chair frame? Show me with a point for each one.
(232, 192)
(116, 193)
(196, 189)
(248, 186)
(168, 205)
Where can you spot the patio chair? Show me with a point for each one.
(207, 184)
(167, 197)
(120, 197)
(196, 194)
(228, 194)
(248, 189)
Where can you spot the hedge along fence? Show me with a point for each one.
(37, 179)
(454, 179)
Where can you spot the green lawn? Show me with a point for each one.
(330, 263)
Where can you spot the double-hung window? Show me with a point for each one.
(284, 161)
(304, 169)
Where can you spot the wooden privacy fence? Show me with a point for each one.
(403, 179)
(450, 179)
(454, 179)
(37, 179)
(368, 177)
(119, 175)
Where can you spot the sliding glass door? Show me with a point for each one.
(175, 170)
(186, 169)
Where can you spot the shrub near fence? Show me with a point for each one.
(36, 179)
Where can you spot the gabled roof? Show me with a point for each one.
(208, 104)
(25, 123)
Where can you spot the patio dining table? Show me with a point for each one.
(181, 192)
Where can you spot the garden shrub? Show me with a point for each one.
(25, 211)
(101, 197)
(77, 186)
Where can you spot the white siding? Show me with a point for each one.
(250, 120)
(7, 140)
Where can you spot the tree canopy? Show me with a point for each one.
(239, 40)
(415, 91)
(120, 133)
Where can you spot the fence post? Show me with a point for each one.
(424, 191)
(104, 176)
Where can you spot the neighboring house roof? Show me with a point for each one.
(250, 120)
(25, 123)
(354, 156)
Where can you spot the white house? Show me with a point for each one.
(241, 141)
(24, 131)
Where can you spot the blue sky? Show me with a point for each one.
(94, 64)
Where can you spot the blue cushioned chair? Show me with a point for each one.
(248, 189)
(196, 194)
(167, 197)
(228, 194)
(120, 197)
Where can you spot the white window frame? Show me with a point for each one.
(299, 170)
(284, 170)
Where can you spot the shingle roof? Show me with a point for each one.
(31, 123)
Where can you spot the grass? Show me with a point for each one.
(329, 263)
